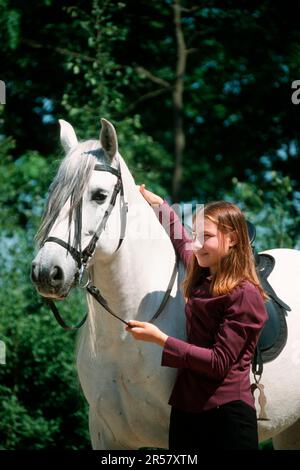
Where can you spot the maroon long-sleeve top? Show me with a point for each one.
(222, 333)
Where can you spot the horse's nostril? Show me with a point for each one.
(34, 272)
(56, 275)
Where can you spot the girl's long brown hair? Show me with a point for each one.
(234, 267)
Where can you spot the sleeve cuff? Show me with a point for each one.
(174, 352)
(182, 355)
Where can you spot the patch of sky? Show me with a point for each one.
(232, 119)
(266, 161)
(196, 85)
(210, 64)
(211, 12)
(44, 109)
(232, 87)
(287, 150)
(199, 120)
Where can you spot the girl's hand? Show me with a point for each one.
(144, 331)
(149, 196)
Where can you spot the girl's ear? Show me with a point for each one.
(233, 239)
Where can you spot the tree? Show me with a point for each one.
(272, 211)
(118, 60)
(42, 405)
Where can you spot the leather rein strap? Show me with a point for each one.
(82, 258)
(94, 291)
(59, 318)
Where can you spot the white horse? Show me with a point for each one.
(126, 388)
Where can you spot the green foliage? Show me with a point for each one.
(9, 25)
(95, 66)
(42, 404)
(272, 210)
(22, 429)
(143, 155)
(266, 445)
(24, 183)
(117, 60)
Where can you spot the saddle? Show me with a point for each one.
(273, 336)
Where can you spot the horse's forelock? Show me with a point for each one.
(70, 182)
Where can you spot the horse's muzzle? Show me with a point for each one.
(50, 282)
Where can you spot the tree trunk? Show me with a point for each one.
(179, 137)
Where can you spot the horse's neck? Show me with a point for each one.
(141, 266)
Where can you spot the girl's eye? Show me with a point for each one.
(98, 196)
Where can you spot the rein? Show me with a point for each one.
(82, 257)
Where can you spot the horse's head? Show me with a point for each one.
(84, 211)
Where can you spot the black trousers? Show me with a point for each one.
(232, 426)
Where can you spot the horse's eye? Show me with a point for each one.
(98, 196)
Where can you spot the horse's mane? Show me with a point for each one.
(70, 182)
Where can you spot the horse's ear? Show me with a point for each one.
(108, 138)
(68, 137)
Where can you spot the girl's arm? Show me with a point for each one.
(243, 321)
(171, 223)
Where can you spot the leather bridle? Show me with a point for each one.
(82, 257)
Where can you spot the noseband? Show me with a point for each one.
(82, 257)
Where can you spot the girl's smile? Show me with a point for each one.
(214, 246)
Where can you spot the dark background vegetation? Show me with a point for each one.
(200, 95)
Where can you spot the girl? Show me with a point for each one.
(212, 404)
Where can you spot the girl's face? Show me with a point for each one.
(213, 247)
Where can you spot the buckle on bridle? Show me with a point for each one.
(83, 278)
